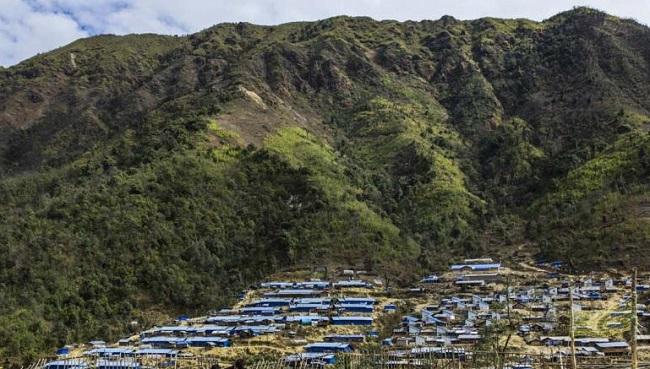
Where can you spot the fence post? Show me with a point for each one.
(634, 322)
(572, 334)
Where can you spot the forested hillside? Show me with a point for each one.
(142, 176)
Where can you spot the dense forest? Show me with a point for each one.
(142, 176)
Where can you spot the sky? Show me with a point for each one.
(28, 27)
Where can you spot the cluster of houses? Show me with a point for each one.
(475, 299)
(464, 308)
(273, 307)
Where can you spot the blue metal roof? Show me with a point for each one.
(117, 364)
(313, 300)
(476, 266)
(156, 352)
(352, 283)
(110, 351)
(66, 364)
(300, 318)
(312, 357)
(340, 345)
(351, 318)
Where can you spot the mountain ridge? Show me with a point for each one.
(148, 173)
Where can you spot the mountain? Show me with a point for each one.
(144, 175)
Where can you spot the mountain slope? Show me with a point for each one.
(145, 175)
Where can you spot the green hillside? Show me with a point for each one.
(143, 176)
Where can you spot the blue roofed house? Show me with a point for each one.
(155, 352)
(272, 302)
(352, 283)
(162, 341)
(430, 279)
(390, 308)
(117, 364)
(613, 348)
(328, 347)
(63, 351)
(277, 284)
(476, 267)
(259, 310)
(305, 308)
(110, 352)
(355, 308)
(66, 364)
(206, 342)
(310, 319)
(294, 293)
(351, 320)
(214, 330)
(314, 359)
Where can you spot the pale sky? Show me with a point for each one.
(28, 27)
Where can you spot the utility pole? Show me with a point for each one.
(634, 322)
(574, 364)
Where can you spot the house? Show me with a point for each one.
(294, 293)
(214, 330)
(271, 302)
(390, 308)
(277, 285)
(462, 283)
(351, 320)
(313, 359)
(590, 341)
(306, 308)
(643, 339)
(63, 351)
(254, 330)
(152, 352)
(587, 351)
(117, 364)
(352, 283)
(227, 320)
(313, 300)
(66, 364)
(474, 266)
(206, 342)
(555, 340)
(259, 310)
(542, 327)
(128, 341)
(244, 319)
(162, 341)
(169, 331)
(468, 338)
(307, 319)
(110, 352)
(328, 347)
(430, 279)
(613, 348)
(355, 308)
(313, 284)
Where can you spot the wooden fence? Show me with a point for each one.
(379, 360)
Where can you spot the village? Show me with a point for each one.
(477, 307)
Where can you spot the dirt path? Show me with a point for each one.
(532, 267)
(596, 321)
